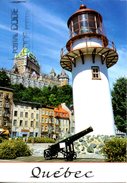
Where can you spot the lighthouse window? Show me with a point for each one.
(95, 73)
(86, 23)
(75, 25)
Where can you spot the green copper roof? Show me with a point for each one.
(26, 52)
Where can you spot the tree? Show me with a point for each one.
(4, 79)
(119, 103)
(51, 96)
(18, 90)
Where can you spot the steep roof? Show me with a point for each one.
(59, 109)
(25, 52)
(63, 74)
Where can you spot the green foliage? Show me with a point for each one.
(51, 96)
(4, 79)
(11, 149)
(119, 103)
(21, 148)
(40, 140)
(18, 90)
(1, 139)
(115, 149)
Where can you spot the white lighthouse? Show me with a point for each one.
(88, 55)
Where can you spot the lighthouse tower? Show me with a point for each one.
(88, 55)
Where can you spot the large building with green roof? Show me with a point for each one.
(26, 70)
(25, 61)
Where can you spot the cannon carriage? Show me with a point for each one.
(65, 147)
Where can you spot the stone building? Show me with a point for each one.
(25, 63)
(26, 119)
(6, 107)
(26, 70)
(33, 119)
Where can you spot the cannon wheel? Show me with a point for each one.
(47, 155)
(75, 155)
(56, 156)
(69, 157)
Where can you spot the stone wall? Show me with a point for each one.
(86, 147)
(38, 148)
(90, 146)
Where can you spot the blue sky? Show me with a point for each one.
(48, 31)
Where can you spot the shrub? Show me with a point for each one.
(7, 150)
(1, 139)
(10, 149)
(115, 149)
(40, 140)
(21, 148)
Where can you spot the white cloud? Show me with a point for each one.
(5, 27)
(47, 20)
(47, 40)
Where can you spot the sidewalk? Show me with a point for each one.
(41, 159)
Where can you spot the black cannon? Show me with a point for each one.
(66, 146)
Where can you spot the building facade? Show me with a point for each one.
(26, 63)
(33, 119)
(26, 70)
(70, 111)
(6, 107)
(62, 118)
(26, 119)
(49, 127)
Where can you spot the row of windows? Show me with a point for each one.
(25, 123)
(64, 129)
(61, 114)
(32, 123)
(32, 115)
(25, 115)
(55, 121)
(7, 105)
(50, 113)
(49, 128)
(2, 94)
(47, 120)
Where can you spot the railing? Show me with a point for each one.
(110, 45)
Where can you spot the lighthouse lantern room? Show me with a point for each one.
(88, 54)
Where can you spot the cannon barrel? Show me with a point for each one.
(78, 135)
(74, 137)
(65, 146)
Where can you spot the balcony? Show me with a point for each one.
(70, 54)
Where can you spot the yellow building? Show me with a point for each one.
(55, 122)
(26, 119)
(49, 127)
(6, 107)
